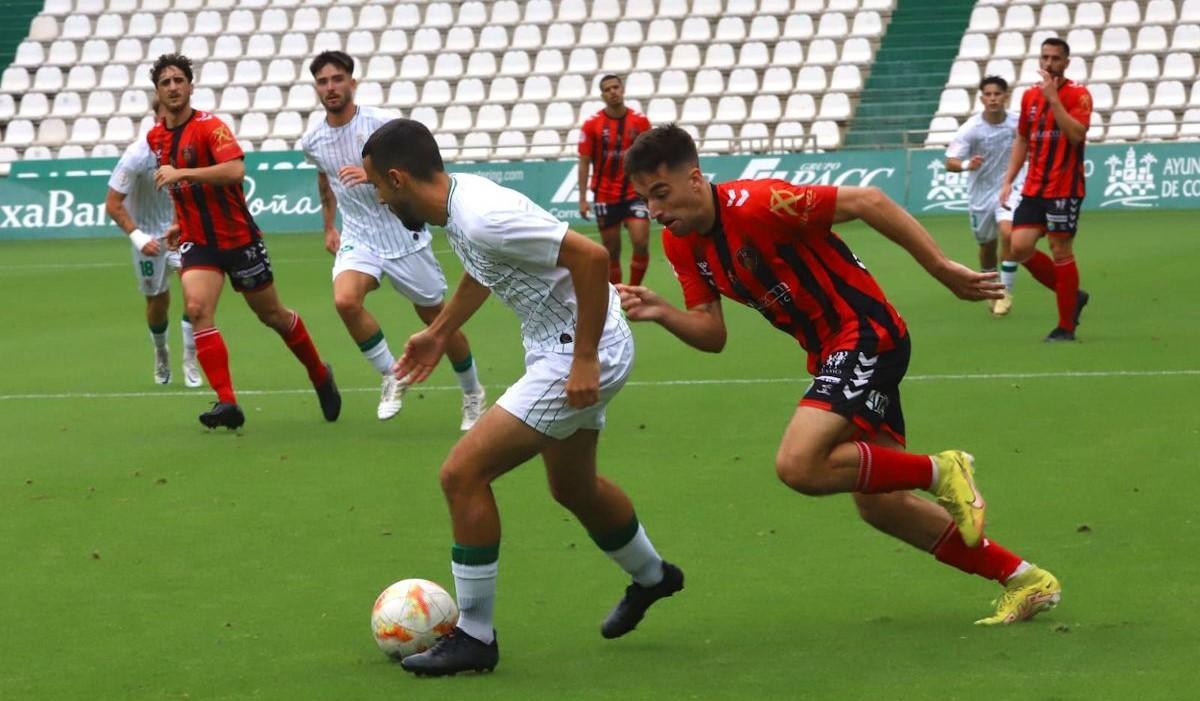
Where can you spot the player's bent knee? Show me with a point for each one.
(873, 508)
(348, 305)
(800, 473)
(572, 495)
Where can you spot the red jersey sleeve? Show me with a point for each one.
(221, 142)
(643, 124)
(799, 210)
(585, 138)
(1024, 126)
(1080, 105)
(683, 262)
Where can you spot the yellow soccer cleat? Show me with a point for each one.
(955, 491)
(1025, 596)
(1002, 306)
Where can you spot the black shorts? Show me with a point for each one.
(1057, 216)
(248, 267)
(613, 213)
(863, 388)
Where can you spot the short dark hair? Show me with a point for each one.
(405, 144)
(611, 76)
(994, 80)
(165, 61)
(1055, 41)
(341, 59)
(668, 145)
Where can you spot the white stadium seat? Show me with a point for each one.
(29, 54)
(764, 28)
(510, 145)
(1123, 126)
(134, 103)
(481, 64)
(1102, 96)
(777, 80)
(709, 81)
(1143, 67)
(403, 93)
(1160, 12)
(789, 136)
(974, 46)
(1179, 66)
(546, 143)
(1106, 69)
(1115, 40)
(235, 99)
(662, 111)
(469, 91)
(963, 74)
(696, 110)
(1186, 37)
(1081, 41)
(254, 127)
(800, 107)
(1124, 13)
(718, 138)
(954, 101)
(984, 19)
(1169, 94)
(1133, 96)
(753, 136)
(227, 47)
(301, 98)
(826, 134)
(44, 28)
(1151, 38)
(766, 108)
(1160, 124)
(1089, 14)
(835, 106)
(731, 109)
(33, 106)
(1010, 45)
(1189, 129)
(822, 52)
(20, 132)
(476, 146)
(119, 130)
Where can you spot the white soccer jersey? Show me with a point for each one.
(151, 209)
(511, 245)
(978, 137)
(365, 222)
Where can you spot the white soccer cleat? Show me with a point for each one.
(191, 372)
(473, 404)
(391, 397)
(162, 366)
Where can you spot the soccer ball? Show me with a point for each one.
(410, 616)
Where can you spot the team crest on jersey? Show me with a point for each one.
(798, 205)
(748, 258)
(222, 136)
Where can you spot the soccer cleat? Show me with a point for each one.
(1081, 300)
(632, 607)
(472, 408)
(991, 305)
(391, 396)
(1003, 305)
(331, 399)
(453, 653)
(223, 414)
(1025, 596)
(955, 491)
(162, 366)
(191, 372)
(1059, 335)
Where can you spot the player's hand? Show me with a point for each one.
(641, 303)
(166, 175)
(421, 355)
(152, 248)
(975, 163)
(1005, 191)
(333, 241)
(968, 284)
(585, 209)
(173, 232)
(352, 175)
(1049, 86)
(583, 384)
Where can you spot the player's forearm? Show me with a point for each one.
(589, 275)
(585, 168)
(1020, 149)
(328, 203)
(700, 328)
(954, 165)
(221, 174)
(1071, 128)
(114, 205)
(467, 298)
(882, 213)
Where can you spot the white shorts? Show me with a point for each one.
(539, 398)
(417, 275)
(1006, 211)
(153, 272)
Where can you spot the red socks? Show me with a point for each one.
(637, 268)
(1066, 289)
(1042, 268)
(614, 272)
(214, 358)
(889, 470)
(990, 560)
(297, 339)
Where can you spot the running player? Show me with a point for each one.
(578, 355)
(603, 140)
(372, 244)
(768, 244)
(986, 138)
(138, 207)
(201, 166)
(1052, 132)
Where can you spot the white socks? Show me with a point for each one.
(639, 558)
(475, 586)
(189, 339)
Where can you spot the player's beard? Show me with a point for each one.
(342, 103)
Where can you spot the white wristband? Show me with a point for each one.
(139, 239)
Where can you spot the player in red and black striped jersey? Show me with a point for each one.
(769, 244)
(201, 166)
(603, 141)
(1051, 133)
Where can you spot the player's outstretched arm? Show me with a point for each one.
(587, 261)
(882, 213)
(702, 326)
(425, 348)
(333, 238)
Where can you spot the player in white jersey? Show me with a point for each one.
(578, 355)
(982, 146)
(372, 244)
(145, 213)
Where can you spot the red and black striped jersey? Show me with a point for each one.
(772, 249)
(207, 214)
(605, 140)
(1055, 164)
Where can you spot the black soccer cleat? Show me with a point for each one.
(330, 398)
(1059, 335)
(632, 607)
(1081, 300)
(223, 414)
(453, 653)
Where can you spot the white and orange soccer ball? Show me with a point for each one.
(411, 615)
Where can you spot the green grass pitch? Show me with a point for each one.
(147, 558)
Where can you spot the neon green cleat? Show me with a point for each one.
(1025, 596)
(955, 491)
